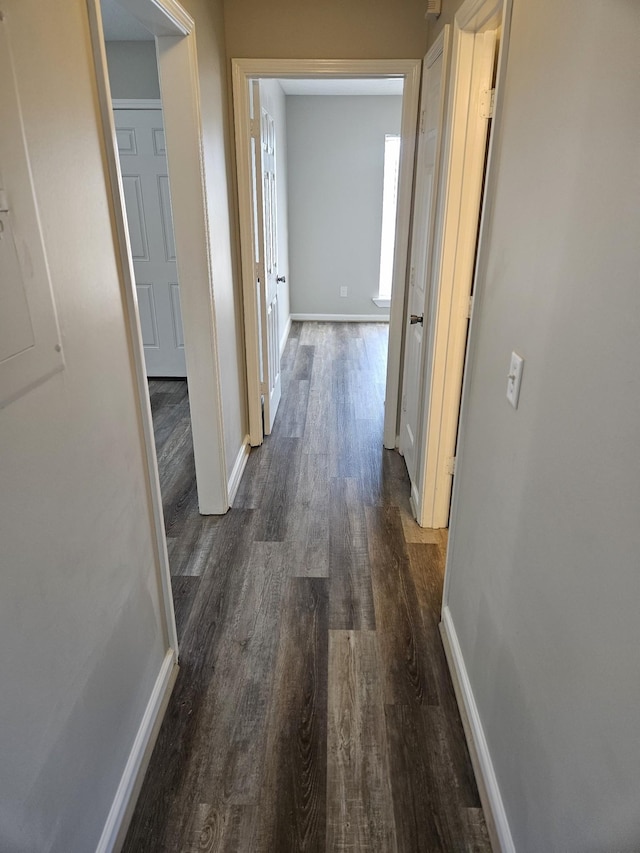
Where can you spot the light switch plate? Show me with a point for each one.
(343, 291)
(514, 379)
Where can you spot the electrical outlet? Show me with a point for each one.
(514, 379)
(343, 291)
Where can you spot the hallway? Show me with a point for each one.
(313, 709)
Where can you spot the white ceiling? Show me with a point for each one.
(380, 86)
(119, 25)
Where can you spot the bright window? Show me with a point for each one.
(389, 207)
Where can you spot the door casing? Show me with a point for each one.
(459, 212)
(245, 70)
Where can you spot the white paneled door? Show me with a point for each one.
(265, 240)
(143, 162)
(428, 150)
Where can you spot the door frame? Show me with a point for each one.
(174, 32)
(244, 70)
(465, 151)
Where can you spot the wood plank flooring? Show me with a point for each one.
(313, 710)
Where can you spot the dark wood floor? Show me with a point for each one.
(313, 710)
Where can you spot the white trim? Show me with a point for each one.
(342, 318)
(381, 302)
(238, 469)
(459, 211)
(285, 335)
(326, 67)
(136, 104)
(490, 796)
(414, 500)
(242, 71)
(180, 87)
(121, 811)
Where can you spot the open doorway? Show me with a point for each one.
(356, 78)
(321, 154)
(141, 146)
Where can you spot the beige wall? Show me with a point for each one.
(545, 544)
(333, 29)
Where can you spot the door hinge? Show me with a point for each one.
(451, 465)
(422, 120)
(404, 402)
(470, 308)
(487, 102)
(412, 277)
(254, 128)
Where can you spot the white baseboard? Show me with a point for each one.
(490, 797)
(115, 829)
(285, 336)
(414, 502)
(343, 318)
(238, 469)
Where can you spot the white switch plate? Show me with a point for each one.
(343, 291)
(514, 379)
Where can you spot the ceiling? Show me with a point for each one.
(119, 25)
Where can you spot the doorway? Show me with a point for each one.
(173, 32)
(245, 72)
(449, 258)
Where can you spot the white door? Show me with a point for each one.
(265, 199)
(143, 162)
(428, 151)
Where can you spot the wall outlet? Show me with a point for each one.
(343, 291)
(514, 379)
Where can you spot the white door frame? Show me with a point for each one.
(174, 30)
(243, 71)
(458, 213)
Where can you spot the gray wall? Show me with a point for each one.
(133, 69)
(336, 165)
(545, 546)
(274, 100)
